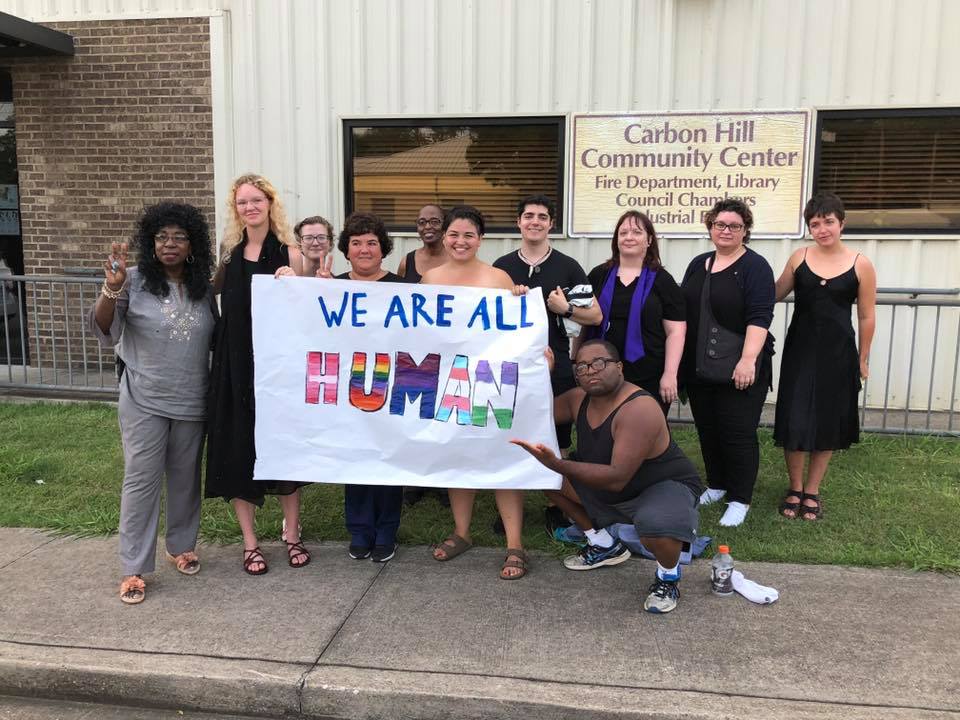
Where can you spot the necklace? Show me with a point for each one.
(534, 265)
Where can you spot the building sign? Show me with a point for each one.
(675, 167)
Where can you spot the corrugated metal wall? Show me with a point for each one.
(286, 72)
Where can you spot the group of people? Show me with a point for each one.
(639, 340)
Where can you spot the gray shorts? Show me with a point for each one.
(665, 509)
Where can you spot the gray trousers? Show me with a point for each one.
(154, 446)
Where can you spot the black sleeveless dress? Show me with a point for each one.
(820, 370)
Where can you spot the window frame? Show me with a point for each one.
(557, 194)
(872, 113)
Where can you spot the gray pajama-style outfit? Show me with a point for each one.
(165, 345)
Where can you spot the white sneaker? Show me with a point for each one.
(736, 513)
(712, 495)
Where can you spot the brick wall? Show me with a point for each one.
(124, 123)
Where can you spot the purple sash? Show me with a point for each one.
(634, 349)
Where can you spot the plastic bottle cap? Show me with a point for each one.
(724, 549)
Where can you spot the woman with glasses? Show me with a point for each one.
(160, 316)
(462, 235)
(729, 295)
(416, 262)
(314, 235)
(644, 314)
(258, 240)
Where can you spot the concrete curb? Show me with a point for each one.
(269, 689)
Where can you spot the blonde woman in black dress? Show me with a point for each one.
(822, 368)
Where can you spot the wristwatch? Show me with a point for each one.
(569, 313)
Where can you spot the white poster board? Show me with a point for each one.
(394, 384)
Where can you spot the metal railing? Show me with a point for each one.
(45, 344)
(46, 348)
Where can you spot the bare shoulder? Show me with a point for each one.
(498, 278)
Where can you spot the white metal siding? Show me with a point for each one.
(287, 71)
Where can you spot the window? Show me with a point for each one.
(395, 167)
(897, 170)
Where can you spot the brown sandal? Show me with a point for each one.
(297, 550)
(186, 562)
(254, 557)
(453, 546)
(520, 561)
(133, 590)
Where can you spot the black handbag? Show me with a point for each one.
(718, 349)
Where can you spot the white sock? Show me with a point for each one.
(599, 538)
(668, 573)
(735, 514)
(754, 592)
(712, 495)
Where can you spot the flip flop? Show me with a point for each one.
(133, 590)
(453, 546)
(186, 562)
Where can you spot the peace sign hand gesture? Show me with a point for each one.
(115, 267)
(326, 265)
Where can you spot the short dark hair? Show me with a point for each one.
(735, 206)
(652, 258)
(464, 212)
(199, 266)
(608, 346)
(538, 200)
(822, 204)
(360, 224)
(314, 220)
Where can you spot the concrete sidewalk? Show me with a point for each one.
(420, 639)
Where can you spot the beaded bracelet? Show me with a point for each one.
(110, 294)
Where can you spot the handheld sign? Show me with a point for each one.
(394, 384)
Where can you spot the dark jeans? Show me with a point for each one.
(372, 513)
(727, 420)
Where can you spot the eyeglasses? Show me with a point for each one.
(732, 227)
(178, 239)
(597, 364)
(435, 223)
(311, 239)
(256, 201)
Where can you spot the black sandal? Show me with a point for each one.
(794, 506)
(815, 510)
(297, 550)
(254, 557)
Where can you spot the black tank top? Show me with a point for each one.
(410, 273)
(596, 445)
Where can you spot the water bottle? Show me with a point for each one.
(721, 575)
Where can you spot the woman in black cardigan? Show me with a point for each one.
(727, 412)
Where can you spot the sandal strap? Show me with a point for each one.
(519, 553)
(134, 582)
(253, 556)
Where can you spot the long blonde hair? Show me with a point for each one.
(278, 215)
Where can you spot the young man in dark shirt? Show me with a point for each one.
(627, 468)
(538, 265)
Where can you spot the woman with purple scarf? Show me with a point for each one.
(644, 314)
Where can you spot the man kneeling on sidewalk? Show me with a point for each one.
(626, 468)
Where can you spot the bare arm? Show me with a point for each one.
(636, 431)
(557, 303)
(402, 267)
(105, 307)
(866, 311)
(785, 281)
(676, 331)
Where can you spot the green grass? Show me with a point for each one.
(889, 501)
